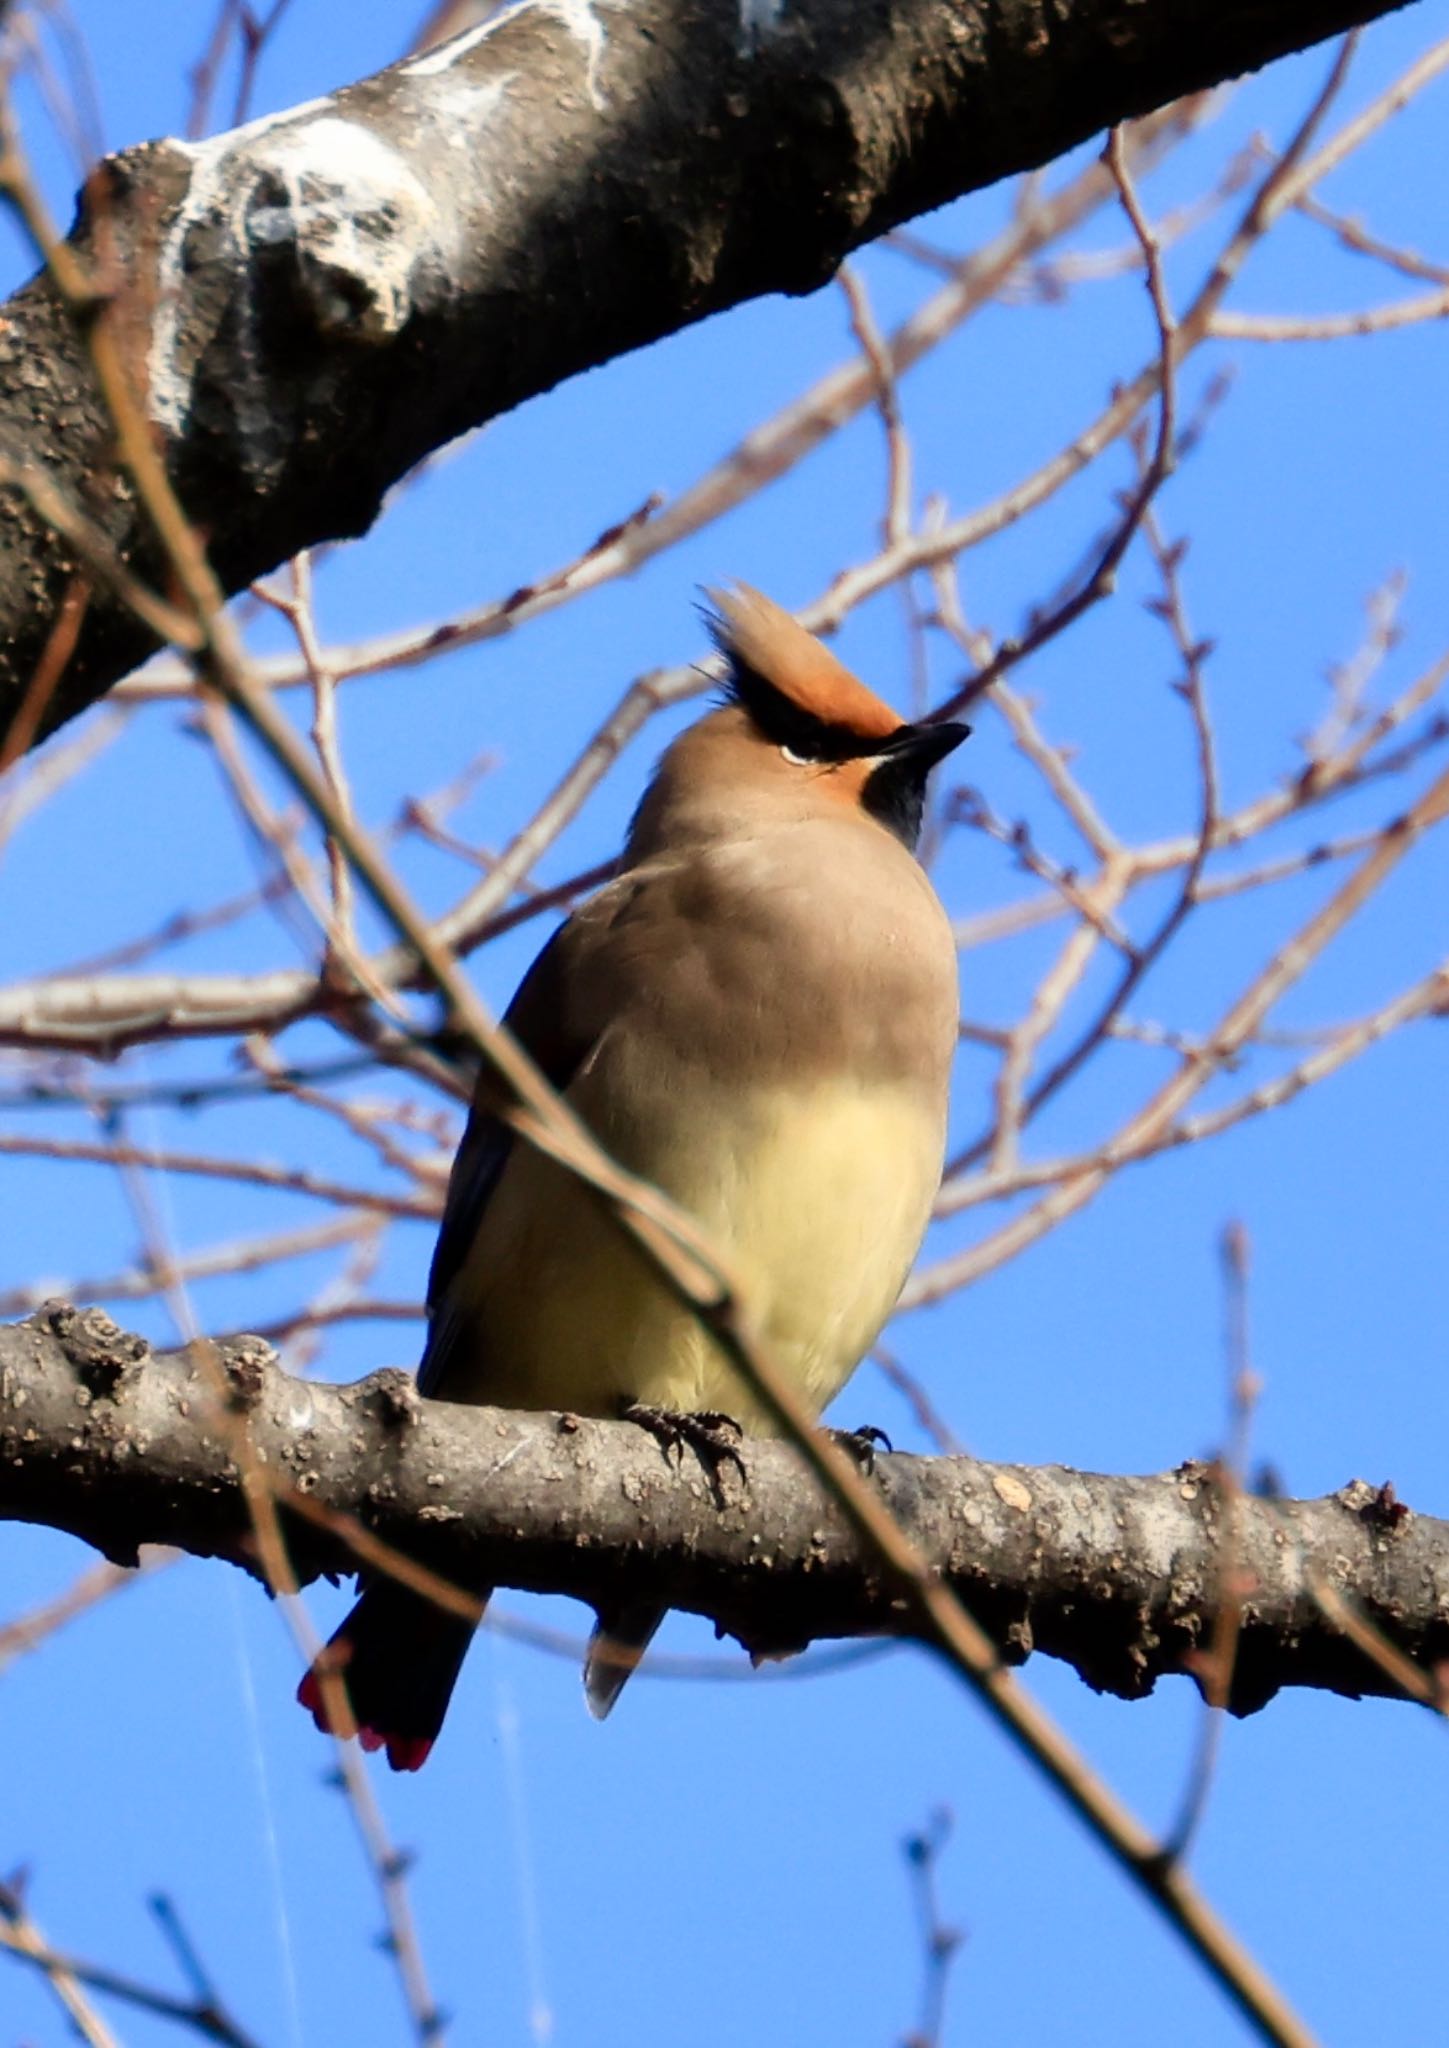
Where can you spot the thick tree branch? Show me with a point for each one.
(314, 302)
(1119, 1577)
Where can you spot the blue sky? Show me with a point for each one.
(724, 1857)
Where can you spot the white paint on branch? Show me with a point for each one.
(461, 106)
(359, 219)
(579, 17)
(355, 214)
(454, 50)
(348, 204)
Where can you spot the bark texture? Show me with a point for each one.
(1118, 1576)
(315, 301)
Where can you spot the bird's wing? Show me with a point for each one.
(562, 1007)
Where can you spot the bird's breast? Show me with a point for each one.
(817, 1197)
(776, 1020)
(819, 954)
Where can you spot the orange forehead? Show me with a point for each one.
(798, 665)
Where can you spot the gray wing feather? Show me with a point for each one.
(551, 1021)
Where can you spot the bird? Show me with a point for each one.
(758, 1015)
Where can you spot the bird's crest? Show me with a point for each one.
(791, 685)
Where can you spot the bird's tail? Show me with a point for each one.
(620, 1638)
(398, 1655)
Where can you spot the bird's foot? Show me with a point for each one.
(861, 1444)
(714, 1438)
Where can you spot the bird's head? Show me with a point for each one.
(797, 734)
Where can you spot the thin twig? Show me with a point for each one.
(23, 1937)
(940, 1942)
(1214, 1666)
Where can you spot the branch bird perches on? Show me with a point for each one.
(1119, 1577)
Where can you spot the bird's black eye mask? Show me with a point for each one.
(788, 724)
(785, 722)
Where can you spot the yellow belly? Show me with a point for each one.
(819, 1202)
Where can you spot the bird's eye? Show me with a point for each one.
(795, 760)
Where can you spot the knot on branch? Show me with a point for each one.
(99, 1351)
(393, 1397)
(326, 212)
(351, 217)
(247, 1363)
(1378, 1506)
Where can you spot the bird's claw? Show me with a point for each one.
(713, 1437)
(861, 1444)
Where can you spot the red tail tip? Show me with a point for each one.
(404, 1752)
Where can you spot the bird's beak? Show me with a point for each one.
(925, 745)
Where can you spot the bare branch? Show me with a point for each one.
(20, 1934)
(203, 2013)
(1119, 1577)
